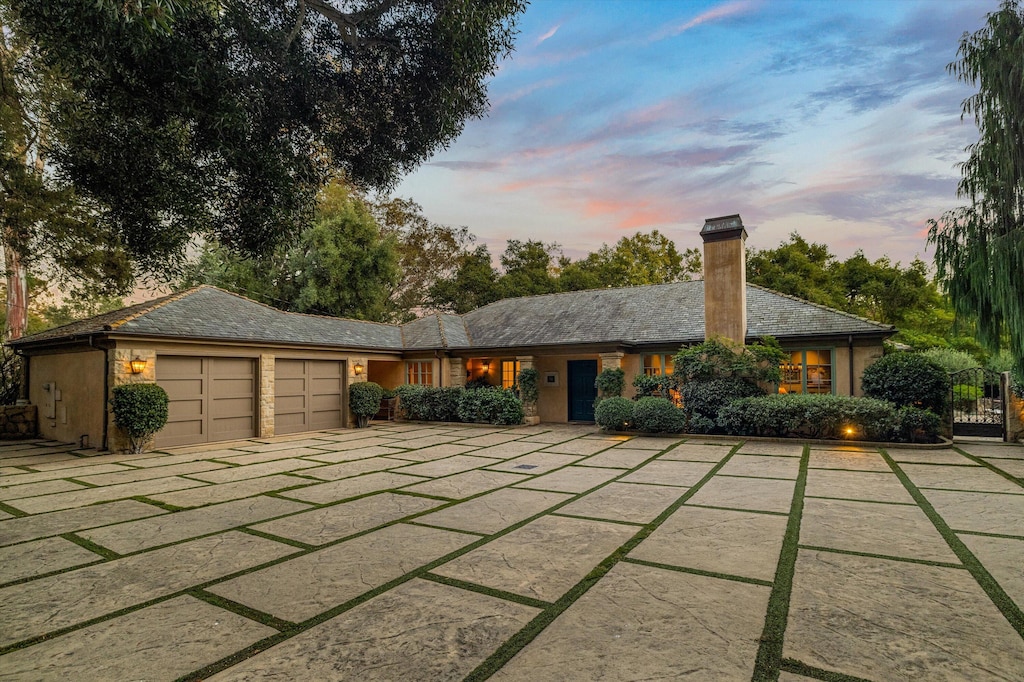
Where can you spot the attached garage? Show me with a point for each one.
(308, 395)
(211, 399)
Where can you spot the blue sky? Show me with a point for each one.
(833, 119)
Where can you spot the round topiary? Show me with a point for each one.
(364, 400)
(614, 414)
(907, 379)
(657, 415)
(140, 410)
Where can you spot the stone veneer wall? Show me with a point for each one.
(266, 396)
(1014, 413)
(18, 421)
(120, 373)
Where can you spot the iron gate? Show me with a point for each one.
(978, 402)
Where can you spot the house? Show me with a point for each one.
(234, 368)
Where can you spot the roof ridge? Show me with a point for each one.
(823, 307)
(440, 330)
(292, 312)
(156, 305)
(582, 291)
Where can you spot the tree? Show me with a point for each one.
(340, 265)
(798, 268)
(428, 252)
(474, 284)
(529, 268)
(979, 249)
(228, 123)
(644, 258)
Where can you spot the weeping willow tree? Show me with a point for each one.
(979, 248)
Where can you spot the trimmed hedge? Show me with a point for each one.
(610, 383)
(703, 399)
(454, 404)
(657, 415)
(614, 414)
(364, 400)
(140, 410)
(908, 379)
(657, 386)
(827, 416)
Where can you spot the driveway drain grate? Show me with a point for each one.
(526, 466)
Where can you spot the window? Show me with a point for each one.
(420, 372)
(657, 365)
(509, 373)
(807, 371)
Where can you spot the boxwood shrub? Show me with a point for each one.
(907, 379)
(827, 416)
(140, 410)
(703, 399)
(364, 400)
(489, 405)
(614, 414)
(657, 415)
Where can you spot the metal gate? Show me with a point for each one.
(978, 402)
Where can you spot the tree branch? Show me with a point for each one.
(348, 22)
(298, 25)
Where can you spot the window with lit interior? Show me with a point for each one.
(808, 371)
(509, 373)
(657, 365)
(421, 373)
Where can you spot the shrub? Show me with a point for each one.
(364, 400)
(720, 358)
(657, 415)
(610, 383)
(140, 410)
(657, 386)
(527, 382)
(490, 406)
(703, 399)
(965, 395)
(950, 359)
(410, 401)
(827, 416)
(614, 414)
(907, 379)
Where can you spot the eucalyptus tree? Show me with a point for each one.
(979, 248)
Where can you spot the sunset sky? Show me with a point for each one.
(833, 119)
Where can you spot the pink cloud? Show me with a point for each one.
(720, 12)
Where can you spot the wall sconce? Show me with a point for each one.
(138, 365)
(358, 368)
(486, 366)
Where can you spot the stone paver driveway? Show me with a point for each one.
(441, 552)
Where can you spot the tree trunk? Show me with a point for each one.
(17, 294)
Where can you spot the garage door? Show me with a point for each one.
(211, 399)
(308, 395)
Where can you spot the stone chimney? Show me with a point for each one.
(725, 278)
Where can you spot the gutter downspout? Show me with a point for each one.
(106, 393)
(850, 351)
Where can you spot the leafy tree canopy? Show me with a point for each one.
(223, 118)
(979, 248)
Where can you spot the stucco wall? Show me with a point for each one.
(78, 381)
(388, 374)
(725, 291)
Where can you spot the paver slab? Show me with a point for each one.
(48, 604)
(417, 631)
(1011, 466)
(334, 472)
(494, 511)
(244, 459)
(135, 536)
(447, 466)
(533, 561)
(133, 475)
(24, 477)
(619, 458)
(89, 496)
(580, 446)
(640, 623)
(755, 494)
(354, 455)
(981, 512)
(624, 502)
(536, 463)
(223, 492)
(910, 456)
(435, 452)
(490, 439)
(466, 484)
(856, 485)
(512, 449)
(662, 472)
(974, 478)
(717, 540)
(41, 556)
(41, 488)
(242, 473)
(1004, 559)
(320, 526)
(890, 529)
(1015, 451)
(571, 479)
(166, 640)
(334, 491)
(886, 620)
(850, 461)
(650, 443)
(310, 584)
(761, 466)
(792, 448)
(70, 520)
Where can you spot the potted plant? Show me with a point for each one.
(364, 401)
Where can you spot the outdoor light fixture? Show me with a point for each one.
(138, 365)
(358, 369)
(487, 365)
(849, 430)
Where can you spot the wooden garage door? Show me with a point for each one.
(211, 399)
(308, 395)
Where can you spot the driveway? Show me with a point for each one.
(447, 552)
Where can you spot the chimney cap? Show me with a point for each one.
(723, 227)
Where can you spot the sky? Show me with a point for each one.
(836, 120)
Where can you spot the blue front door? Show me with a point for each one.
(582, 392)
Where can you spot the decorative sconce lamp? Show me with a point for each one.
(486, 366)
(138, 365)
(358, 368)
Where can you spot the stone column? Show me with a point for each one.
(611, 360)
(266, 396)
(457, 371)
(119, 374)
(1014, 410)
(530, 409)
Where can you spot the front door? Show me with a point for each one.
(582, 391)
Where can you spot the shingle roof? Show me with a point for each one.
(663, 313)
(210, 313)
